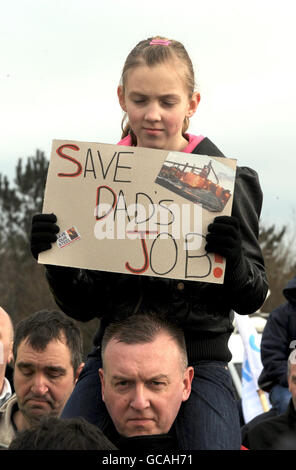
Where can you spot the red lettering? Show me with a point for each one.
(71, 159)
(146, 257)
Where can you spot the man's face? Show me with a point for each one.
(143, 385)
(292, 383)
(5, 344)
(43, 380)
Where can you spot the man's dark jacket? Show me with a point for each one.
(277, 433)
(278, 334)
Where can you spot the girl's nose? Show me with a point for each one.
(153, 112)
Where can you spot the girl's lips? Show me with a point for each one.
(151, 131)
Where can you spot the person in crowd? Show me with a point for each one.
(6, 342)
(145, 379)
(47, 353)
(157, 93)
(278, 338)
(53, 433)
(278, 432)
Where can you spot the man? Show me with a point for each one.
(278, 432)
(145, 376)
(6, 341)
(277, 340)
(47, 353)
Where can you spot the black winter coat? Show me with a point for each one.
(203, 310)
(276, 433)
(279, 332)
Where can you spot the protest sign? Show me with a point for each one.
(136, 210)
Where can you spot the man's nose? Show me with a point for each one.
(39, 385)
(140, 399)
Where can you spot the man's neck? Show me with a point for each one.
(20, 421)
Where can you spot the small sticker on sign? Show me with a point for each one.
(67, 237)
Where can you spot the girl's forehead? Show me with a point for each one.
(170, 74)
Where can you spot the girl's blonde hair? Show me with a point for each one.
(152, 54)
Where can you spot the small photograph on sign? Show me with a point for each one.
(67, 237)
(201, 179)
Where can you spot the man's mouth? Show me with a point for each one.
(141, 420)
(38, 401)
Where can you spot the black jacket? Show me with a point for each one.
(279, 332)
(203, 310)
(276, 433)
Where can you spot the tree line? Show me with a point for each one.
(23, 287)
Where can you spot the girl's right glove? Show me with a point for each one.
(43, 233)
(224, 238)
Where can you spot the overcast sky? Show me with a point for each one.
(61, 60)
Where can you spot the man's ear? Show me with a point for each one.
(187, 380)
(121, 97)
(10, 354)
(78, 371)
(101, 374)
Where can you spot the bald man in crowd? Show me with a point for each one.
(6, 342)
(145, 379)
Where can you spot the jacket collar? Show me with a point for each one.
(7, 428)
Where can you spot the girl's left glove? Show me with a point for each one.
(224, 238)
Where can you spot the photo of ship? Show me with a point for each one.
(200, 184)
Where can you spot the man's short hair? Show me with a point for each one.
(62, 434)
(291, 360)
(144, 328)
(44, 326)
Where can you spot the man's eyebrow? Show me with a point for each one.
(159, 377)
(24, 365)
(120, 377)
(155, 378)
(55, 369)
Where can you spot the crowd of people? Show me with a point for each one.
(158, 375)
(145, 381)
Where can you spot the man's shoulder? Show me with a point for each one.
(264, 434)
(8, 405)
(7, 429)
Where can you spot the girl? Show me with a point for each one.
(157, 93)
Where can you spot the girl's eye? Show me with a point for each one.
(168, 104)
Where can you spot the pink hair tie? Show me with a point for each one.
(160, 42)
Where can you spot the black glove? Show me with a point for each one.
(43, 233)
(224, 238)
